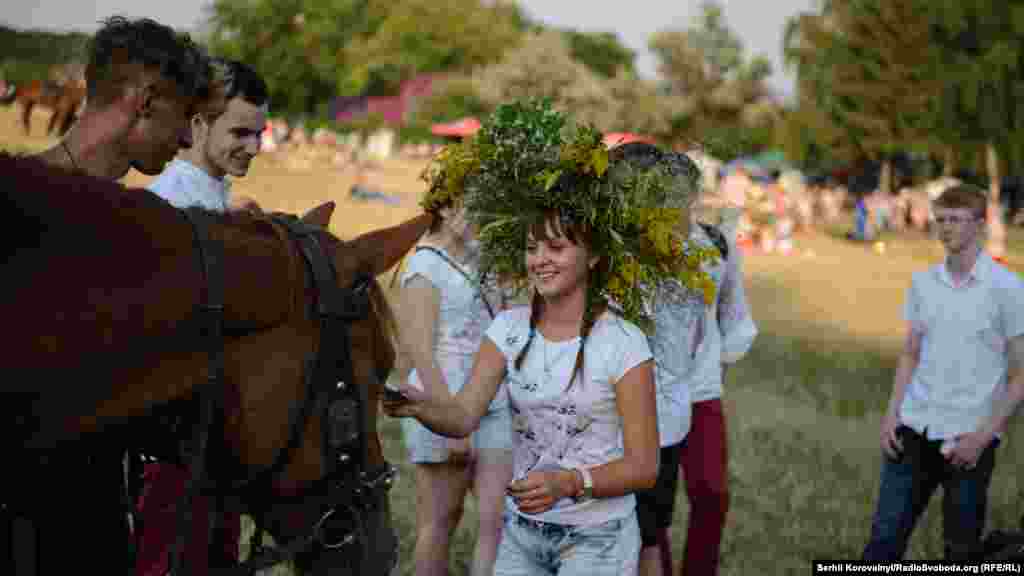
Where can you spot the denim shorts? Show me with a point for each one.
(425, 447)
(532, 548)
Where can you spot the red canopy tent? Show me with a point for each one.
(613, 139)
(461, 128)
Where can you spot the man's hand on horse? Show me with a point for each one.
(244, 204)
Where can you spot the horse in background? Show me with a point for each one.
(101, 292)
(63, 99)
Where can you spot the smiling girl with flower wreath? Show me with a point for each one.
(588, 240)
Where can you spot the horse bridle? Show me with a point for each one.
(349, 483)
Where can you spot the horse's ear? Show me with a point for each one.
(381, 250)
(319, 216)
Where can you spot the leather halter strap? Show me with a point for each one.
(349, 482)
(210, 312)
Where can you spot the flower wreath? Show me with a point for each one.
(519, 168)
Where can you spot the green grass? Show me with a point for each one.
(803, 414)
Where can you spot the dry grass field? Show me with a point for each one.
(803, 406)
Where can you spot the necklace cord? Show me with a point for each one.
(71, 157)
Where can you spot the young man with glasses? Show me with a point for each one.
(959, 380)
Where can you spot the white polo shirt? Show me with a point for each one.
(184, 185)
(964, 347)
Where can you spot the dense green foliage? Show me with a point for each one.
(936, 76)
(28, 55)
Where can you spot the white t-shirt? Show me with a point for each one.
(185, 185)
(964, 349)
(461, 319)
(555, 426)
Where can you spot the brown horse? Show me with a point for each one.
(63, 99)
(100, 288)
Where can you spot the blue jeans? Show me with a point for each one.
(907, 485)
(532, 548)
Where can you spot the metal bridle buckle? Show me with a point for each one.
(385, 479)
(319, 534)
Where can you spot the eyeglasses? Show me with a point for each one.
(944, 220)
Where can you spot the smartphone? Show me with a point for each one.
(393, 395)
(948, 447)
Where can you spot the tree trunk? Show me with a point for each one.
(885, 177)
(949, 162)
(992, 167)
(996, 229)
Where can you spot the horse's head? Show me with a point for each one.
(269, 368)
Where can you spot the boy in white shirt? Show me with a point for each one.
(959, 380)
(226, 137)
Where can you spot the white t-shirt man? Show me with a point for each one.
(964, 346)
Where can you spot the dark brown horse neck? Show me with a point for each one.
(101, 283)
(125, 246)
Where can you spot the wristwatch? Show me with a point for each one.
(587, 492)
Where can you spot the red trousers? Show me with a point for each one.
(704, 461)
(163, 488)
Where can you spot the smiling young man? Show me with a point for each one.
(225, 136)
(959, 380)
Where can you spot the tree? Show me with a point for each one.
(32, 54)
(297, 45)
(602, 52)
(721, 92)
(419, 36)
(863, 66)
(641, 107)
(454, 98)
(310, 51)
(541, 66)
(979, 53)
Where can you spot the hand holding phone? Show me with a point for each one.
(401, 400)
(394, 395)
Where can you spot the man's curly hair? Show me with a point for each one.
(120, 42)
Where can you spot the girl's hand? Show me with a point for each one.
(244, 204)
(403, 402)
(460, 450)
(539, 491)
